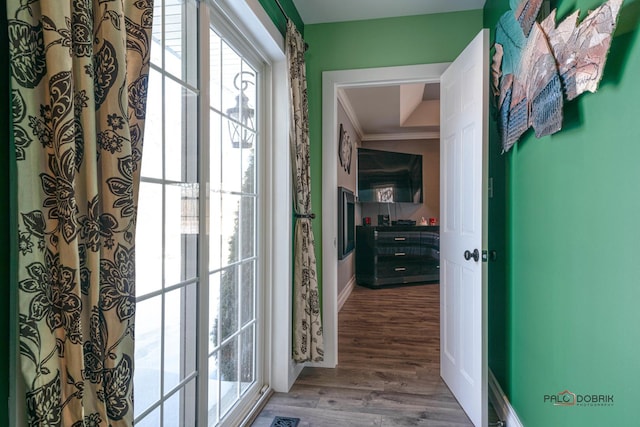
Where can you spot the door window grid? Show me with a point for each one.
(233, 202)
(165, 375)
(167, 273)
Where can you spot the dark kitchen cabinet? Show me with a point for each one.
(397, 255)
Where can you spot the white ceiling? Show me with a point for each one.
(318, 11)
(376, 111)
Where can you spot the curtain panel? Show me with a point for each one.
(307, 321)
(79, 72)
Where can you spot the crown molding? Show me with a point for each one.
(400, 136)
(348, 108)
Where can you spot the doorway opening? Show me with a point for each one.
(333, 81)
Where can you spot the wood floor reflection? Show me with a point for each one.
(388, 370)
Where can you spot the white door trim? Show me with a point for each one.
(331, 82)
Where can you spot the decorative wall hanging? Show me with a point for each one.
(345, 149)
(535, 62)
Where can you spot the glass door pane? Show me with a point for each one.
(233, 229)
(167, 234)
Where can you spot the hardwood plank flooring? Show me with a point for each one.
(388, 367)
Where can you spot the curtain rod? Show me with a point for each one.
(282, 9)
(306, 45)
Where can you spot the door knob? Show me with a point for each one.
(475, 255)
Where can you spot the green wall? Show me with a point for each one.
(498, 292)
(573, 229)
(278, 18)
(5, 137)
(374, 43)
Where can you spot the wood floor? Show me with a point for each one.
(388, 370)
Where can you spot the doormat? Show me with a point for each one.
(285, 422)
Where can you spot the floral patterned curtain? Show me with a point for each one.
(307, 322)
(79, 85)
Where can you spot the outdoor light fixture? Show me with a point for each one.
(241, 115)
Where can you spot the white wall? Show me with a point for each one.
(347, 266)
(430, 208)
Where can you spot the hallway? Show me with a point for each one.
(388, 371)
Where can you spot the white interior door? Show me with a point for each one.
(463, 284)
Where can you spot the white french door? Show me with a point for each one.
(233, 257)
(199, 289)
(463, 278)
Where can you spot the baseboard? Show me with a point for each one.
(342, 298)
(344, 295)
(295, 369)
(501, 403)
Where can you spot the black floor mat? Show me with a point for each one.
(285, 422)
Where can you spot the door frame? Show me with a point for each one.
(332, 81)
